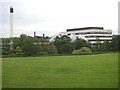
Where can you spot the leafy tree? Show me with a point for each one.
(18, 50)
(52, 49)
(28, 45)
(115, 43)
(63, 44)
(97, 45)
(5, 46)
(16, 42)
(105, 46)
(79, 43)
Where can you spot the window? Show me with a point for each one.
(68, 34)
(77, 33)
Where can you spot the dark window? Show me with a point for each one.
(11, 10)
(77, 33)
(68, 34)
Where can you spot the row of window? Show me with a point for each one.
(92, 33)
(99, 40)
(96, 36)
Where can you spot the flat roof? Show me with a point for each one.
(85, 28)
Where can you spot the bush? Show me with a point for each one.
(43, 53)
(18, 51)
(85, 50)
(11, 55)
(82, 51)
(76, 52)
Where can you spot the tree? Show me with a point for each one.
(96, 47)
(28, 45)
(63, 44)
(18, 50)
(105, 46)
(79, 43)
(115, 43)
(52, 49)
(5, 46)
(16, 42)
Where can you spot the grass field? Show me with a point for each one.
(86, 71)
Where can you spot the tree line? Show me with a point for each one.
(35, 46)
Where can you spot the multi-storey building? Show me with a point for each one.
(92, 34)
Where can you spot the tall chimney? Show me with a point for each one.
(34, 34)
(43, 35)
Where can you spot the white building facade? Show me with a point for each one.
(91, 34)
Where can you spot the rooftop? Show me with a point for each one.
(85, 28)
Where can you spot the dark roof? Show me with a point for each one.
(85, 28)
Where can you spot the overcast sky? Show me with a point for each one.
(54, 16)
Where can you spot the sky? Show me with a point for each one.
(50, 17)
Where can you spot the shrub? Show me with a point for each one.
(85, 50)
(11, 55)
(82, 51)
(43, 53)
(76, 52)
(18, 51)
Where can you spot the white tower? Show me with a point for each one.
(11, 27)
(11, 21)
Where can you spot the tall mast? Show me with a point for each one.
(11, 27)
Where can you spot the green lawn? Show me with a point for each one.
(85, 71)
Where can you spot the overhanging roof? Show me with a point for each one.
(85, 28)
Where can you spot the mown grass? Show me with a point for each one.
(86, 71)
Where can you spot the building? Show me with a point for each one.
(91, 34)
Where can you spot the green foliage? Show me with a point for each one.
(105, 46)
(16, 42)
(42, 53)
(97, 45)
(109, 46)
(52, 49)
(63, 44)
(115, 43)
(76, 52)
(28, 45)
(18, 50)
(85, 50)
(5, 46)
(79, 43)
